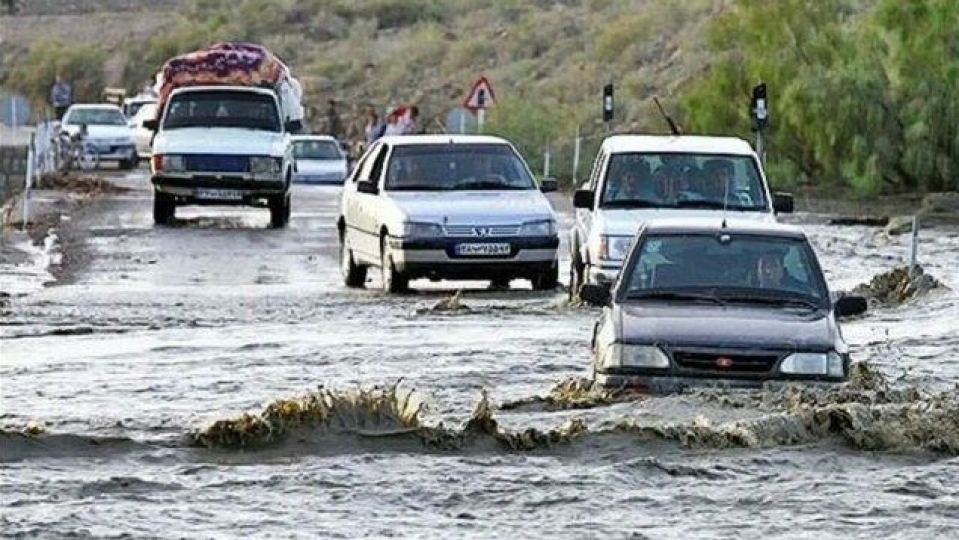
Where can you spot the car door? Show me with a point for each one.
(584, 217)
(370, 208)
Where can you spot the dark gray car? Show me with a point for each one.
(709, 300)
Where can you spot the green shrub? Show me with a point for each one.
(79, 64)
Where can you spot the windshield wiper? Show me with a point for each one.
(417, 187)
(485, 185)
(632, 203)
(700, 203)
(674, 295)
(774, 300)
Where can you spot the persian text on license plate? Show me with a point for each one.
(219, 194)
(483, 250)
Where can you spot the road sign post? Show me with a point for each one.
(479, 99)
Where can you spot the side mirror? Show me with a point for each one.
(583, 198)
(365, 186)
(293, 126)
(549, 185)
(596, 295)
(783, 203)
(152, 124)
(848, 306)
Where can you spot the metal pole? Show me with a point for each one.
(28, 182)
(546, 163)
(480, 119)
(760, 147)
(914, 248)
(576, 145)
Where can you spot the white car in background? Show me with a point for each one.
(640, 178)
(106, 129)
(446, 207)
(319, 160)
(143, 137)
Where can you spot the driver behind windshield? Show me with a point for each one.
(772, 274)
(633, 183)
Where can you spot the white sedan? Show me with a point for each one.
(106, 131)
(319, 160)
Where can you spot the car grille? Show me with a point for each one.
(723, 363)
(481, 231)
(216, 163)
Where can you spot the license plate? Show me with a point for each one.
(219, 194)
(482, 250)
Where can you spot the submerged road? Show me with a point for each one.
(154, 332)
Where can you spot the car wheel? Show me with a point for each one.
(548, 279)
(575, 279)
(164, 208)
(393, 281)
(280, 211)
(353, 276)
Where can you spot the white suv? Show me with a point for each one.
(446, 207)
(637, 178)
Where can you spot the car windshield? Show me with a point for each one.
(678, 180)
(222, 109)
(316, 150)
(450, 167)
(726, 268)
(96, 117)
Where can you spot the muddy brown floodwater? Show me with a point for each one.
(214, 379)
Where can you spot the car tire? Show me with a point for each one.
(393, 281)
(548, 279)
(353, 276)
(280, 211)
(164, 208)
(576, 273)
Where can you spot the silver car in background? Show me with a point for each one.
(319, 160)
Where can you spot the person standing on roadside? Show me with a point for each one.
(411, 125)
(60, 96)
(334, 125)
(374, 128)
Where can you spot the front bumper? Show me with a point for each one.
(668, 384)
(116, 152)
(202, 189)
(437, 257)
(328, 179)
(603, 274)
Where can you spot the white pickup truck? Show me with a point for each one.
(446, 207)
(222, 145)
(638, 178)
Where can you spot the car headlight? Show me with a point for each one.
(614, 248)
(168, 163)
(421, 230)
(544, 227)
(266, 165)
(636, 356)
(813, 364)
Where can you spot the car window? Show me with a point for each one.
(96, 117)
(451, 167)
(726, 265)
(376, 166)
(361, 165)
(683, 180)
(597, 167)
(222, 109)
(314, 149)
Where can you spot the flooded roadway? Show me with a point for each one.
(155, 333)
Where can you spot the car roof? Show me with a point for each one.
(329, 138)
(95, 106)
(696, 144)
(409, 140)
(223, 88)
(731, 225)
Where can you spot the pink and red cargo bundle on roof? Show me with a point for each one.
(234, 64)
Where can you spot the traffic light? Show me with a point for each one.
(608, 103)
(759, 108)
